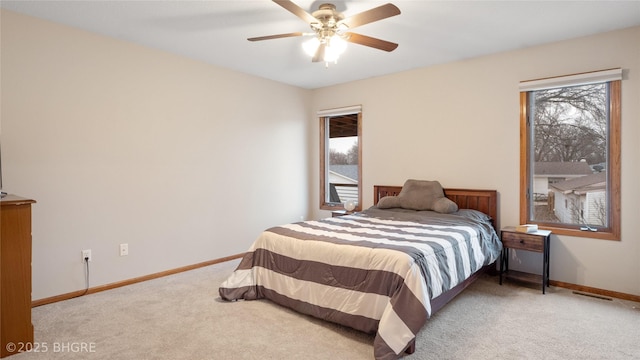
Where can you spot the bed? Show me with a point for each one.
(384, 270)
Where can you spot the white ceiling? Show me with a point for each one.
(428, 32)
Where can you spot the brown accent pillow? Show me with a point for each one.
(388, 202)
(420, 194)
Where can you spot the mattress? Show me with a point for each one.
(375, 271)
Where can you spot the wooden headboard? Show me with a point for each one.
(481, 200)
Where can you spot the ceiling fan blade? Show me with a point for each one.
(319, 55)
(278, 36)
(296, 10)
(370, 41)
(369, 16)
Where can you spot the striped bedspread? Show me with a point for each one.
(375, 271)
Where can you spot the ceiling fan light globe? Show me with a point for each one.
(338, 44)
(335, 47)
(311, 46)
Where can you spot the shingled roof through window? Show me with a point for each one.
(562, 168)
(350, 171)
(595, 181)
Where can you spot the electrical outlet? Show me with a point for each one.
(86, 254)
(124, 249)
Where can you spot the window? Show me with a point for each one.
(340, 158)
(570, 154)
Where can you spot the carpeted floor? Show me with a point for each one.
(182, 317)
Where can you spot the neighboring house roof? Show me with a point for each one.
(558, 168)
(348, 171)
(582, 184)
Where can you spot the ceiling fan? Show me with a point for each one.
(330, 29)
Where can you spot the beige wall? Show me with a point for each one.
(119, 143)
(459, 123)
(186, 162)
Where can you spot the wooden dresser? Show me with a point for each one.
(16, 329)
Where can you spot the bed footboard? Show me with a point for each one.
(485, 201)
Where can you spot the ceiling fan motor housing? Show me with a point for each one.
(328, 25)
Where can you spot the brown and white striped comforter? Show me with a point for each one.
(374, 271)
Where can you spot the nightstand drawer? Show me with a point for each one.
(523, 241)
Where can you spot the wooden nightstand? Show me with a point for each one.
(535, 241)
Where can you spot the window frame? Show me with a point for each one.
(324, 205)
(612, 231)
